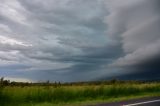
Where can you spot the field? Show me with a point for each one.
(74, 94)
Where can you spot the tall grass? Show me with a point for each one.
(65, 94)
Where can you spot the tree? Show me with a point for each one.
(1, 81)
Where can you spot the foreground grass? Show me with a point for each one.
(75, 95)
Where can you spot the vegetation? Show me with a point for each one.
(50, 94)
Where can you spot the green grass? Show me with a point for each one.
(74, 95)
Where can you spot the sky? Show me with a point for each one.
(79, 40)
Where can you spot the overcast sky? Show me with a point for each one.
(79, 40)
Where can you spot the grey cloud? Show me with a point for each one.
(67, 38)
(85, 39)
(139, 27)
(136, 26)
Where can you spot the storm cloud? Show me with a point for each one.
(137, 27)
(80, 40)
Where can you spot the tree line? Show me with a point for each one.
(4, 82)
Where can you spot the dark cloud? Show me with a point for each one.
(137, 26)
(147, 70)
(87, 39)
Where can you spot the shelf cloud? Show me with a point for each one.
(80, 40)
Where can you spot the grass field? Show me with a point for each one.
(74, 95)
